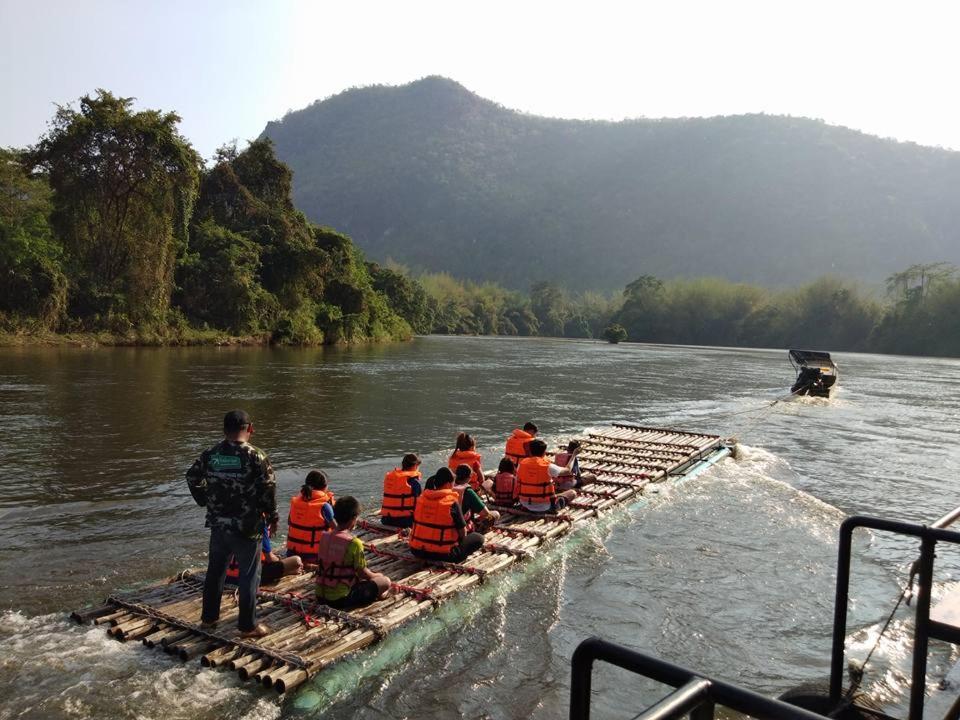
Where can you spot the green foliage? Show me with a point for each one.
(32, 284)
(124, 184)
(614, 333)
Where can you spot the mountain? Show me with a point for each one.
(437, 178)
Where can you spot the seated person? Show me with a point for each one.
(343, 580)
(505, 486)
(272, 567)
(439, 529)
(519, 441)
(466, 454)
(311, 514)
(569, 460)
(401, 488)
(472, 507)
(536, 476)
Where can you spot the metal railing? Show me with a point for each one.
(925, 629)
(696, 695)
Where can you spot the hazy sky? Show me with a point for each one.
(229, 67)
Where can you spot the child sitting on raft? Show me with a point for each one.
(343, 579)
(537, 477)
(569, 460)
(473, 508)
(311, 514)
(505, 487)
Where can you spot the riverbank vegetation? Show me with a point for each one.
(111, 227)
(113, 231)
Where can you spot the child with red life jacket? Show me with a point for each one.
(343, 579)
(401, 488)
(519, 441)
(439, 529)
(311, 514)
(466, 454)
(272, 567)
(537, 477)
(505, 486)
(570, 460)
(474, 511)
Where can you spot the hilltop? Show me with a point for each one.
(438, 178)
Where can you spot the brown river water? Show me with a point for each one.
(731, 573)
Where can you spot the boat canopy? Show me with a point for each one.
(812, 357)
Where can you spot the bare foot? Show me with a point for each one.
(259, 631)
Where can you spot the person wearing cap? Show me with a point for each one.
(234, 481)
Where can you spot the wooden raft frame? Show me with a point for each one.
(307, 637)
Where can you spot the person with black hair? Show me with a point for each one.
(505, 486)
(466, 453)
(475, 512)
(234, 481)
(342, 577)
(401, 488)
(537, 477)
(518, 444)
(311, 514)
(570, 461)
(439, 529)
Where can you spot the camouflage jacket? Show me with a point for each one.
(235, 482)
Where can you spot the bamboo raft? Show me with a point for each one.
(307, 637)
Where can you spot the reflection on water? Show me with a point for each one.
(732, 573)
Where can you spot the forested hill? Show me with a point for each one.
(437, 178)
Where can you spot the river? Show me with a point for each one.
(732, 574)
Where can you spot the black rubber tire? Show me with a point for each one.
(815, 697)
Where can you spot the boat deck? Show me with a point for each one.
(307, 637)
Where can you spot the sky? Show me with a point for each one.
(227, 68)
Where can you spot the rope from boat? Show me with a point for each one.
(858, 672)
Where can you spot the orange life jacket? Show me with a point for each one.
(398, 499)
(306, 524)
(331, 553)
(536, 485)
(433, 529)
(233, 569)
(470, 458)
(516, 445)
(505, 489)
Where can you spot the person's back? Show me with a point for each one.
(311, 514)
(439, 529)
(401, 487)
(518, 444)
(235, 482)
(505, 486)
(466, 453)
(536, 476)
(342, 579)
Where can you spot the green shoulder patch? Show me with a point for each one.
(225, 462)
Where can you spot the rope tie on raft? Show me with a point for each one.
(210, 634)
(307, 609)
(450, 567)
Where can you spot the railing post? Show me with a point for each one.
(840, 603)
(704, 712)
(921, 633)
(581, 678)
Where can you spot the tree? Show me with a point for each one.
(614, 333)
(32, 284)
(124, 185)
(549, 304)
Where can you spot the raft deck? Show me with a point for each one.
(307, 637)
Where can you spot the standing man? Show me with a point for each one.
(235, 482)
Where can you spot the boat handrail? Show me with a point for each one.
(695, 695)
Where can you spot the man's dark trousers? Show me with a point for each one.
(223, 545)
